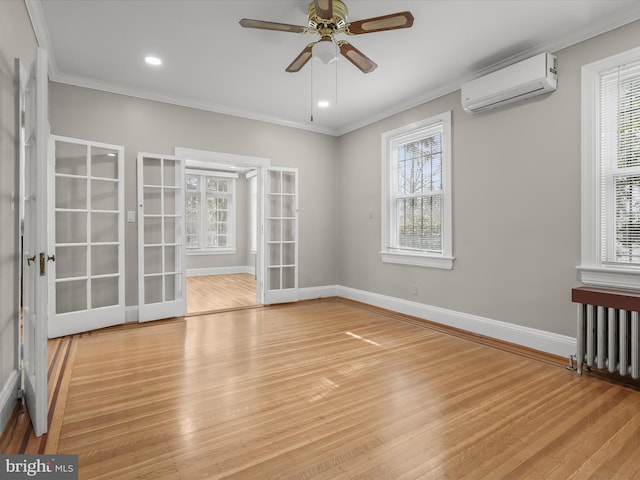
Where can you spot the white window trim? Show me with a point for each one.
(230, 250)
(388, 254)
(592, 270)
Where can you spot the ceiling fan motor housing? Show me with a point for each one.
(339, 19)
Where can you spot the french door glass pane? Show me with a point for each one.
(288, 254)
(104, 259)
(153, 289)
(288, 183)
(104, 292)
(172, 256)
(171, 172)
(71, 296)
(288, 277)
(275, 206)
(71, 262)
(71, 227)
(275, 230)
(170, 231)
(152, 205)
(71, 158)
(288, 233)
(170, 196)
(151, 173)
(71, 192)
(274, 279)
(152, 260)
(104, 195)
(104, 227)
(104, 163)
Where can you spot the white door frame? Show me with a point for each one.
(261, 165)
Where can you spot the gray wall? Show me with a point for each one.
(516, 204)
(17, 40)
(147, 126)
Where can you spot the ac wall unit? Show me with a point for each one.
(528, 78)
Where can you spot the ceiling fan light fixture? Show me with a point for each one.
(325, 51)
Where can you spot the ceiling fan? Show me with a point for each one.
(328, 18)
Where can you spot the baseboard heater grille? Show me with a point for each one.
(608, 330)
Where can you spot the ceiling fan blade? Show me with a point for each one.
(301, 60)
(379, 24)
(324, 9)
(281, 27)
(356, 57)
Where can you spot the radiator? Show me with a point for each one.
(608, 334)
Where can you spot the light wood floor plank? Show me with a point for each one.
(210, 293)
(329, 390)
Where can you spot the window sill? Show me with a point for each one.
(218, 251)
(610, 276)
(418, 259)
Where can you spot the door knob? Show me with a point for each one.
(51, 258)
(30, 260)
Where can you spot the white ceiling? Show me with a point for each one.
(211, 62)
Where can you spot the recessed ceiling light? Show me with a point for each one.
(153, 60)
(323, 103)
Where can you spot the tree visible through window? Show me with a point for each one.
(419, 202)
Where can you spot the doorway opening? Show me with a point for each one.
(223, 256)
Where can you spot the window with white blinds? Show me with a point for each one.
(610, 252)
(417, 194)
(620, 164)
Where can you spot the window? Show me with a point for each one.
(210, 211)
(611, 171)
(417, 194)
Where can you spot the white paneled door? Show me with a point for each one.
(86, 212)
(281, 236)
(33, 128)
(161, 237)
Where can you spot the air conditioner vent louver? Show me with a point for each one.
(528, 78)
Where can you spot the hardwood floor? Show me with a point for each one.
(329, 390)
(220, 292)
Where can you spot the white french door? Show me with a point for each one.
(281, 236)
(32, 210)
(86, 211)
(161, 237)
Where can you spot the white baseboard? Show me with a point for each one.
(541, 340)
(198, 272)
(311, 293)
(8, 396)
